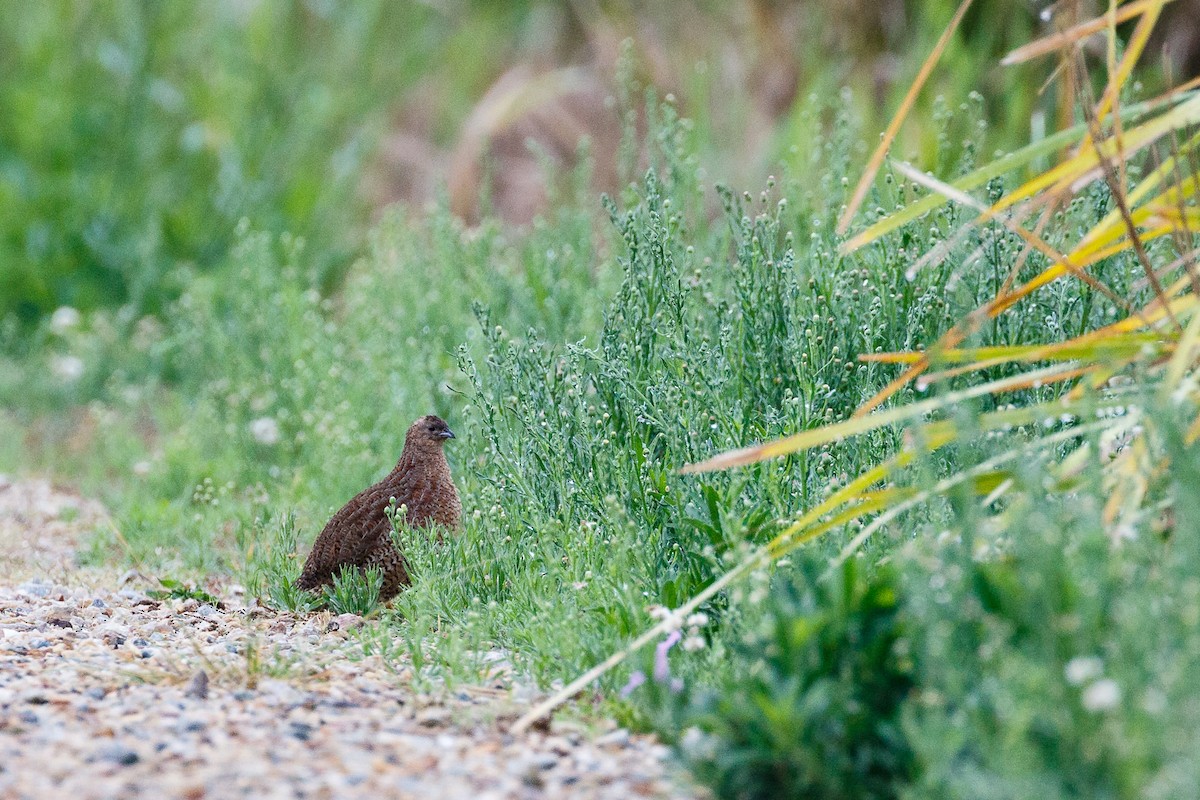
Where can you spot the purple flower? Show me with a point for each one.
(662, 670)
(635, 680)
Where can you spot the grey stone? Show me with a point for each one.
(118, 754)
(198, 687)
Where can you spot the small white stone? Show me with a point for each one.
(697, 744)
(617, 738)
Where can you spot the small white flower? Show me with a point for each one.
(265, 430)
(141, 469)
(697, 620)
(1102, 695)
(658, 612)
(697, 744)
(693, 643)
(673, 621)
(68, 368)
(63, 319)
(1081, 669)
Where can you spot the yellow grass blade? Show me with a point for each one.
(1055, 271)
(970, 181)
(1112, 220)
(1070, 350)
(1175, 218)
(1000, 166)
(885, 143)
(898, 383)
(1056, 41)
(947, 374)
(1032, 239)
(1133, 51)
(789, 540)
(858, 425)
(1064, 177)
(1184, 359)
(1193, 432)
(946, 484)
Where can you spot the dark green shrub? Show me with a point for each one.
(813, 708)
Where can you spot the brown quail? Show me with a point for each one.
(359, 535)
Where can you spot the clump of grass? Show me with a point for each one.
(354, 591)
(272, 567)
(1050, 654)
(986, 657)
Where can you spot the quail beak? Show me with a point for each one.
(447, 434)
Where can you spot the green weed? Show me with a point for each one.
(354, 591)
(815, 709)
(272, 566)
(179, 590)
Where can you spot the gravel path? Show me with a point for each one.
(106, 692)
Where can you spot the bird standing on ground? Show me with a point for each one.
(360, 534)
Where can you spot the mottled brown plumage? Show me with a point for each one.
(360, 534)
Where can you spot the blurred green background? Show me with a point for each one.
(134, 136)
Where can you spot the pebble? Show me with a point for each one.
(433, 717)
(198, 687)
(118, 754)
(617, 738)
(345, 622)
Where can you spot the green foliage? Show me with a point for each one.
(814, 708)
(991, 658)
(1052, 658)
(272, 567)
(136, 135)
(598, 360)
(179, 590)
(721, 334)
(354, 591)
